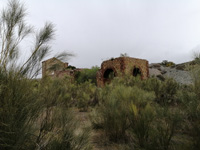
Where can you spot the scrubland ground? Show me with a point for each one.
(66, 114)
(126, 114)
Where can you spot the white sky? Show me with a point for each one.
(96, 30)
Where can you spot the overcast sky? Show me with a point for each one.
(96, 30)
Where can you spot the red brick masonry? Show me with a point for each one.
(122, 66)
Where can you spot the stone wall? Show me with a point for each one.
(59, 71)
(122, 66)
(47, 65)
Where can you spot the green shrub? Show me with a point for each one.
(33, 114)
(85, 95)
(65, 136)
(114, 110)
(141, 124)
(164, 129)
(191, 102)
(19, 106)
(57, 127)
(165, 91)
(87, 75)
(128, 112)
(96, 118)
(167, 63)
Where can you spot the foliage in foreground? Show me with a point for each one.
(34, 114)
(149, 114)
(37, 114)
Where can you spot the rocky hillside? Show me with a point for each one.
(177, 72)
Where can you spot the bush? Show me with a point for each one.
(192, 108)
(164, 129)
(65, 136)
(85, 95)
(167, 63)
(56, 126)
(114, 110)
(141, 124)
(129, 112)
(87, 75)
(165, 91)
(19, 105)
(34, 114)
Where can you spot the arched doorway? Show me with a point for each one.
(108, 75)
(137, 72)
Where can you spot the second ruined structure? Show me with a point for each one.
(122, 66)
(55, 68)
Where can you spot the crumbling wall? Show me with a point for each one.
(62, 74)
(61, 69)
(47, 65)
(142, 64)
(121, 66)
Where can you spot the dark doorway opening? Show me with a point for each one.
(136, 72)
(109, 74)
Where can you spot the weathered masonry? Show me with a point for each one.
(122, 66)
(57, 69)
(52, 66)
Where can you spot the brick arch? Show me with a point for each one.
(121, 66)
(136, 70)
(108, 74)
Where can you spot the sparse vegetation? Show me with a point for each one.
(129, 112)
(167, 63)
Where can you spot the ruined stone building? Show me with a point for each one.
(109, 69)
(56, 68)
(122, 66)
